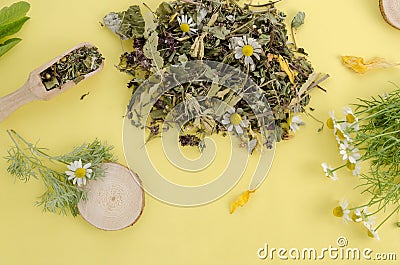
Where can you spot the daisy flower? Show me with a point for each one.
(349, 152)
(340, 134)
(79, 173)
(295, 122)
(331, 122)
(234, 120)
(362, 214)
(355, 168)
(342, 211)
(351, 119)
(248, 47)
(329, 172)
(186, 24)
(372, 232)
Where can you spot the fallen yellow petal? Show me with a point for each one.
(359, 65)
(241, 201)
(285, 67)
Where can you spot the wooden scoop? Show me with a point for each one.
(34, 89)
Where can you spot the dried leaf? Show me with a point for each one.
(197, 49)
(221, 94)
(298, 20)
(285, 67)
(212, 20)
(241, 201)
(359, 65)
(126, 24)
(219, 32)
(150, 48)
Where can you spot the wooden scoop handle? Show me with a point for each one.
(11, 102)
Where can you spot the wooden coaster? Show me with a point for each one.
(390, 10)
(114, 201)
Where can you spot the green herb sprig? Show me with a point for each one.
(12, 19)
(371, 135)
(27, 160)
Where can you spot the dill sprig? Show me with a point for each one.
(379, 139)
(27, 160)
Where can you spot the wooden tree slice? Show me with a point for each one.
(390, 10)
(115, 201)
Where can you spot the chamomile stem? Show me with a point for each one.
(387, 217)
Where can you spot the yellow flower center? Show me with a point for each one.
(350, 118)
(247, 50)
(236, 119)
(330, 123)
(370, 234)
(185, 27)
(354, 217)
(350, 165)
(338, 211)
(80, 173)
(340, 135)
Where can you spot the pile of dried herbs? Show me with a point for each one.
(250, 38)
(72, 67)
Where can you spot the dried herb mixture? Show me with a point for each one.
(253, 39)
(72, 67)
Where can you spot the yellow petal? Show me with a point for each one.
(359, 65)
(285, 67)
(241, 201)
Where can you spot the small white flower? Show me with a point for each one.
(356, 170)
(372, 232)
(351, 119)
(295, 122)
(329, 171)
(234, 120)
(340, 133)
(342, 211)
(79, 173)
(186, 24)
(331, 122)
(248, 47)
(349, 152)
(362, 215)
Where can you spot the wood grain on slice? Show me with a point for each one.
(390, 10)
(114, 201)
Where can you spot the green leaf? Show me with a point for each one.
(6, 46)
(126, 24)
(12, 28)
(219, 32)
(298, 20)
(13, 13)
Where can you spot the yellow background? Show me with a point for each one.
(293, 207)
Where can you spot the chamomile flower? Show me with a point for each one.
(351, 119)
(78, 173)
(362, 215)
(186, 24)
(331, 122)
(349, 152)
(342, 211)
(355, 168)
(372, 232)
(295, 122)
(340, 133)
(329, 171)
(235, 120)
(248, 47)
